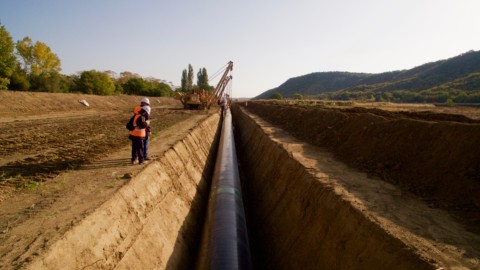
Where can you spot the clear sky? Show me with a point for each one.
(268, 41)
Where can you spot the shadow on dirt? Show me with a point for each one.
(434, 156)
(106, 163)
(189, 237)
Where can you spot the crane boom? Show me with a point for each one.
(222, 84)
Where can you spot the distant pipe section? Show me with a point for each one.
(225, 238)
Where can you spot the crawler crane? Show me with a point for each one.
(203, 99)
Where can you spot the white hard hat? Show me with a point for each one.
(147, 109)
(145, 100)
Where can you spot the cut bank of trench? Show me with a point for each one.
(306, 211)
(150, 223)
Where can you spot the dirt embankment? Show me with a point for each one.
(21, 104)
(308, 210)
(154, 221)
(434, 156)
(301, 199)
(60, 160)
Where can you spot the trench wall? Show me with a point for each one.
(298, 220)
(434, 156)
(154, 221)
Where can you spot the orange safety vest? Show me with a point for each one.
(137, 132)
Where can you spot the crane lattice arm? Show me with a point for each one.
(219, 90)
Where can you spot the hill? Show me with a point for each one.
(456, 79)
(315, 83)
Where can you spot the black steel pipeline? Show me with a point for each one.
(225, 239)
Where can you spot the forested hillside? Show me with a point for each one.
(456, 79)
(315, 83)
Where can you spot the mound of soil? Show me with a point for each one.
(60, 160)
(20, 104)
(419, 115)
(434, 156)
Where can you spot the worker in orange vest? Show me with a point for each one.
(145, 103)
(137, 135)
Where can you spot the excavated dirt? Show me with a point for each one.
(154, 221)
(60, 160)
(419, 188)
(351, 189)
(435, 156)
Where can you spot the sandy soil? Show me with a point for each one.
(334, 216)
(472, 112)
(435, 157)
(59, 160)
(151, 222)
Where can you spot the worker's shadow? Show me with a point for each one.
(106, 163)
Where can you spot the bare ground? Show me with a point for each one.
(60, 160)
(333, 215)
(433, 155)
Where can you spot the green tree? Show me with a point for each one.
(276, 95)
(7, 57)
(450, 102)
(118, 87)
(70, 83)
(297, 96)
(187, 79)
(159, 89)
(461, 98)
(344, 95)
(190, 78)
(127, 75)
(49, 82)
(38, 58)
(147, 87)
(41, 66)
(45, 61)
(95, 82)
(165, 90)
(202, 79)
(19, 80)
(136, 86)
(25, 51)
(184, 81)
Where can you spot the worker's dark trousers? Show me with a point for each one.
(145, 147)
(137, 148)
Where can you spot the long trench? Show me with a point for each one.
(297, 218)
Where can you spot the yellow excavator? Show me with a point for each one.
(199, 99)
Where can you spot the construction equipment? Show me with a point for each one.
(202, 99)
(195, 99)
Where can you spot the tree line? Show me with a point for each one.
(32, 66)
(187, 80)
